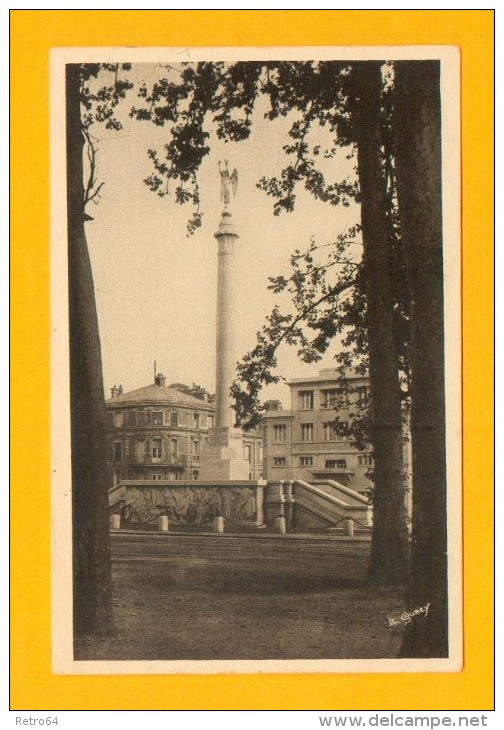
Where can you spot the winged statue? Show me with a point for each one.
(229, 182)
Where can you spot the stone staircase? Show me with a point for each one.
(320, 505)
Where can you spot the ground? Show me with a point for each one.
(222, 597)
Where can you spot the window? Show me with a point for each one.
(247, 452)
(195, 449)
(306, 461)
(307, 432)
(330, 432)
(279, 432)
(144, 418)
(117, 450)
(335, 398)
(140, 450)
(174, 418)
(157, 448)
(118, 419)
(157, 476)
(279, 461)
(196, 420)
(174, 448)
(365, 460)
(363, 396)
(342, 436)
(336, 464)
(328, 399)
(210, 421)
(130, 418)
(157, 418)
(195, 475)
(306, 400)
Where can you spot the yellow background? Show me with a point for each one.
(33, 34)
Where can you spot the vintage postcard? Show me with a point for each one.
(256, 360)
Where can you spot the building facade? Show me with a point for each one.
(158, 433)
(304, 443)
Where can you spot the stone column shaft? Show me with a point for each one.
(226, 323)
(223, 458)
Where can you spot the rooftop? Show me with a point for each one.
(331, 375)
(159, 394)
(276, 414)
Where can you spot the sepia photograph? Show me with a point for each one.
(256, 360)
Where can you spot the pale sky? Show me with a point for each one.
(156, 288)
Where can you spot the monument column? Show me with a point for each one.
(226, 322)
(223, 458)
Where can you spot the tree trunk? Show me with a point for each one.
(417, 136)
(389, 547)
(91, 540)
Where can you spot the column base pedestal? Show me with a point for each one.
(222, 459)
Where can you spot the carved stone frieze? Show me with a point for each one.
(190, 505)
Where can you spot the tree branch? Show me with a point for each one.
(91, 192)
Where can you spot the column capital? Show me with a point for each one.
(226, 226)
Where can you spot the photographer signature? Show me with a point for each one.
(406, 616)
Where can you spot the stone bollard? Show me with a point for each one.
(218, 524)
(280, 525)
(349, 527)
(163, 523)
(115, 521)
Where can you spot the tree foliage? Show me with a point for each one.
(223, 96)
(98, 106)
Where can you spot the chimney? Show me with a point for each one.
(160, 379)
(114, 391)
